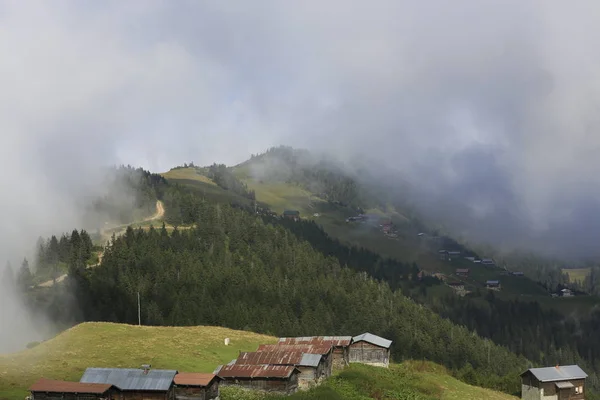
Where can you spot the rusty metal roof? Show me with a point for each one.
(316, 340)
(322, 349)
(194, 379)
(283, 357)
(52, 386)
(257, 371)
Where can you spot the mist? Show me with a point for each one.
(487, 108)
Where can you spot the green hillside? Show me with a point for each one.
(201, 348)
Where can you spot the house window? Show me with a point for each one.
(578, 389)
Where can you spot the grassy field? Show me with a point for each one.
(201, 349)
(66, 356)
(576, 274)
(414, 380)
(187, 174)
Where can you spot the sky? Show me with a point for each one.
(489, 107)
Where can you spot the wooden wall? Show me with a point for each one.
(367, 353)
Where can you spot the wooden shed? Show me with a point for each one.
(339, 346)
(553, 383)
(48, 389)
(311, 366)
(269, 378)
(370, 349)
(324, 350)
(196, 386)
(144, 383)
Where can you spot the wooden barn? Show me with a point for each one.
(269, 378)
(311, 366)
(464, 272)
(196, 386)
(339, 346)
(326, 351)
(292, 214)
(553, 383)
(370, 349)
(143, 383)
(48, 389)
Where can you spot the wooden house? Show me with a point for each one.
(492, 285)
(326, 351)
(291, 214)
(464, 272)
(518, 273)
(339, 346)
(196, 386)
(269, 378)
(48, 389)
(311, 366)
(487, 261)
(566, 293)
(143, 383)
(553, 383)
(370, 349)
(443, 254)
(458, 286)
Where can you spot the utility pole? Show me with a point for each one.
(139, 310)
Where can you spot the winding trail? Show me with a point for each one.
(160, 212)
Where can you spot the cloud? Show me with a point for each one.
(486, 106)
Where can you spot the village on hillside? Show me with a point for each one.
(292, 364)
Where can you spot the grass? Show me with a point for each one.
(66, 356)
(201, 349)
(414, 380)
(187, 174)
(576, 274)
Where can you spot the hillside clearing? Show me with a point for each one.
(576, 274)
(187, 174)
(198, 349)
(201, 349)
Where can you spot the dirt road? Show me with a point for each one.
(160, 212)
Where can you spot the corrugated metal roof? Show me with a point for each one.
(194, 379)
(256, 371)
(316, 340)
(558, 373)
(462, 270)
(322, 349)
(564, 385)
(373, 339)
(283, 357)
(130, 378)
(52, 386)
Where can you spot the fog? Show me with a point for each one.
(488, 108)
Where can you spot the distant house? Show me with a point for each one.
(312, 367)
(492, 284)
(453, 254)
(155, 384)
(269, 378)
(443, 254)
(196, 386)
(291, 214)
(566, 293)
(487, 261)
(463, 272)
(47, 389)
(517, 273)
(472, 259)
(338, 343)
(458, 286)
(325, 350)
(553, 383)
(370, 349)
(477, 261)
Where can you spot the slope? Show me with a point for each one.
(201, 348)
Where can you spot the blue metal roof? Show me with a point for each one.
(558, 373)
(310, 360)
(131, 378)
(373, 339)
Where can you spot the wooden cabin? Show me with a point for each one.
(196, 386)
(464, 272)
(48, 389)
(143, 383)
(281, 379)
(565, 382)
(311, 366)
(370, 349)
(291, 214)
(339, 346)
(326, 351)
